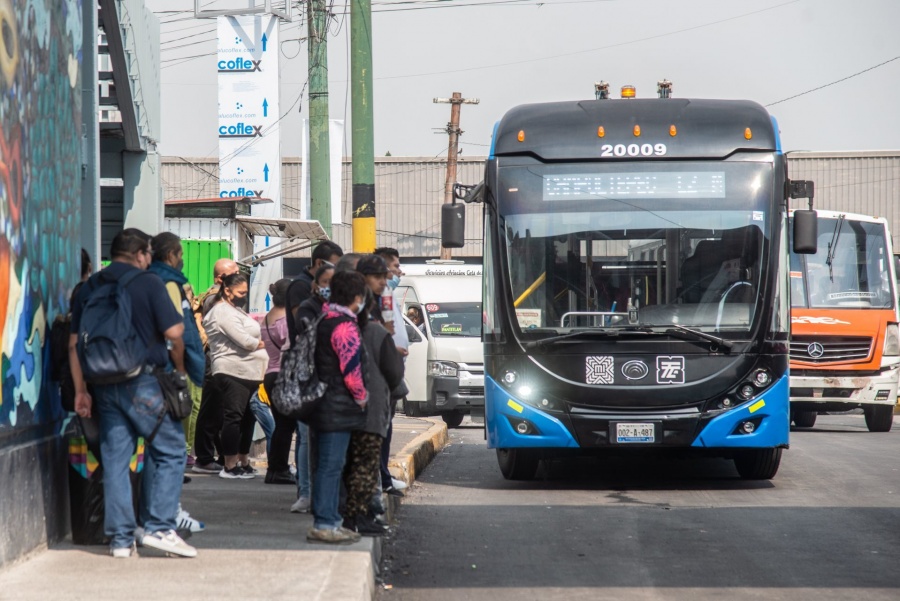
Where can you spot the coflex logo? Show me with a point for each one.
(240, 130)
(240, 192)
(239, 65)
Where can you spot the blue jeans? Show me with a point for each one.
(301, 457)
(129, 410)
(263, 415)
(332, 448)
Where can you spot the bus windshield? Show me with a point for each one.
(679, 243)
(850, 269)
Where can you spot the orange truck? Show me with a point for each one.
(845, 344)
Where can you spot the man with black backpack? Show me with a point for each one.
(124, 328)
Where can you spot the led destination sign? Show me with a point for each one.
(589, 186)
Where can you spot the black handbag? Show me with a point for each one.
(176, 397)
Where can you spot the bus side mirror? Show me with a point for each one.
(806, 232)
(453, 225)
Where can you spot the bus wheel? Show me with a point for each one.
(518, 464)
(757, 464)
(879, 418)
(452, 419)
(805, 419)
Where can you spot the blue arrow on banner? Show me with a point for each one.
(266, 172)
(265, 107)
(264, 40)
(268, 302)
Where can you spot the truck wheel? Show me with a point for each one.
(879, 418)
(518, 464)
(453, 419)
(412, 409)
(805, 419)
(758, 464)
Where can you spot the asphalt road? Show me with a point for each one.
(826, 527)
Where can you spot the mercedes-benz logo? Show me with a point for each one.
(815, 350)
(635, 370)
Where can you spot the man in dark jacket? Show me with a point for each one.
(340, 364)
(326, 252)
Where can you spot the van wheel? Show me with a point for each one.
(879, 418)
(453, 419)
(518, 464)
(758, 464)
(805, 419)
(412, 409)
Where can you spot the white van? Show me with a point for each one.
(445, 367)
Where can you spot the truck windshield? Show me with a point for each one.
(678, 243)
(454, 319)
(850, 270)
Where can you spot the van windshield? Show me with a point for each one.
(454, 319)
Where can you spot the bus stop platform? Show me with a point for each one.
(252, 548)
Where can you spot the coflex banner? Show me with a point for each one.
(249, 136)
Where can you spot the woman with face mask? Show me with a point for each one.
(321, 293)
(239, 359)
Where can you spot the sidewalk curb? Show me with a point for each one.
(419, 452)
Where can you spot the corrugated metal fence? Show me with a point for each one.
(408, 194)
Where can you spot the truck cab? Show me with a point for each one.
(845, 345)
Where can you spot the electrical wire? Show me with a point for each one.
(822, 87)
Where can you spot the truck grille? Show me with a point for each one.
(830, 349)
(471, 391)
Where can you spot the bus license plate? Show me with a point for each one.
(635, 433)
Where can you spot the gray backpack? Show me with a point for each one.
(298, 390)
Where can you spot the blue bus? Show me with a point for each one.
(636, 291)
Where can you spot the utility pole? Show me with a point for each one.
(363, 134)
(452, 150)
(319, 143)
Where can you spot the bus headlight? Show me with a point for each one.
(747, 391)
(446, 369)
(762, 378)
(892, 341)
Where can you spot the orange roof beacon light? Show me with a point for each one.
(637, 131)
(601, 132)
(629, 92)
(601, 90)
(521, 136)
(673, 131)
(664, 88)
(748, 134)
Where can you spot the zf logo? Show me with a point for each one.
(670, 370)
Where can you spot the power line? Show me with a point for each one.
(833, 82)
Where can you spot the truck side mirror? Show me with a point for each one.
(806, 231)
(453, 225)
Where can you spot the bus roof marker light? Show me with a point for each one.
(521, 136)
(673, 131)
(629, 92)
(748, 134)
(637, 131)
(601, 132)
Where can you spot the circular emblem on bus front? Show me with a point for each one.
(635, 370)
(815, 350)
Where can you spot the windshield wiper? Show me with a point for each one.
(691, 334)
(604, 332)
(832, 246)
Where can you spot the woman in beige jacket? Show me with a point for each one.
(238, 358)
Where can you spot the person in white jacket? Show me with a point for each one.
(238, 359)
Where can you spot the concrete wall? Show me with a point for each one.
(40, 237)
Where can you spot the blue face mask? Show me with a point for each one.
(325, 293)
(393, 282)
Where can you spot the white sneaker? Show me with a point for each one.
(123, 552)
(184, 521)
(301, 505)
(399, 484)
(169, 542)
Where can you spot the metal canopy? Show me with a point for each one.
(298, 235)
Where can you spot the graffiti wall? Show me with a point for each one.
(40, 173)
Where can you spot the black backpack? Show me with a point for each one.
(298, 390)
(110, 350)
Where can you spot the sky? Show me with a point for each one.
(509, 52)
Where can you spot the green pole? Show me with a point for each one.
(319, 144)
(362, 126)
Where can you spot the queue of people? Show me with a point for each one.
(233, 361)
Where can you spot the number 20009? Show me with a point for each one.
(632, 150)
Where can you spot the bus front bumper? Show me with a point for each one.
(817, 391)
(512, 423)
